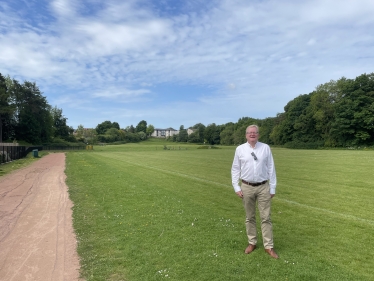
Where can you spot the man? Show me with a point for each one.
(254, 165)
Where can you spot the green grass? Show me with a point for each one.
(144, 213)
(9, 167)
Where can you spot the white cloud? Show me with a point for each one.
(64, 8)
(122, 93)
(241, 52)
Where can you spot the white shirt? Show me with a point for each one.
(247, 168)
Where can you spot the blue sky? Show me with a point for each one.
(173, 62)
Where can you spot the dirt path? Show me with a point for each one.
(37, 241)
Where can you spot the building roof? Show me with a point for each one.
(168, 129)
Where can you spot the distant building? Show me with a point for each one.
(164, 133)
(190, 131)
(84, 130)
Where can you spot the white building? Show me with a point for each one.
(190, 131)
(164, 133)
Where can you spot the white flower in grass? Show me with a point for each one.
(164, 272)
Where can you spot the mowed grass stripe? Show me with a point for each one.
(143, 164)
(203, 191)
(315, 190)
(339, 181)
(327, 211)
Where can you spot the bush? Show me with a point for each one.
(304, 145)
(62, 142)
(208, 147)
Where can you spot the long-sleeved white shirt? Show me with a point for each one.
(245, 167)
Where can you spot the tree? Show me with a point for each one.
(32, 116)
(6, 109)
(132, 137)
(131, 129)
(115, 125)
(14, 88)
(60, 128)
(112, 135)
(322, 103)
(183, 135)
(304, 124)
(142, 127)
(239, 134)
(150, 130)
(103, 127)
(79, 133)
(227, 134)
(353, 124)
(90, 136)
(142, 135)
(194, 137)
(296, 122)
(212, 134)
(200, 129)
(266, 128)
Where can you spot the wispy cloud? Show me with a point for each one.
(246, 58)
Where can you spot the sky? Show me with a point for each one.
(174, 62)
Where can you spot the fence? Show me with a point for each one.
(63, 147)
(9, 144)
(9, 153)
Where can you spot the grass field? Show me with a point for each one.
(145, 213)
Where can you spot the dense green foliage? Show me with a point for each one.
(26, 115)
(145, 213)
(6, 109)
(108, 132)
(337, 114)
(141, 127)
(106, 125)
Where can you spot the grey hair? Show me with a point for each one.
(253, 126)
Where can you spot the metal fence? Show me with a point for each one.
(9, 144)
(63, 147)
(10, 153)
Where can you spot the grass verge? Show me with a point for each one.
(7, 168)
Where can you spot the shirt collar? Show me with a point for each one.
(251, 145)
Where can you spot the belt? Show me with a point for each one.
(254, 183)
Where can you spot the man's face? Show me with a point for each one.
(251, 135)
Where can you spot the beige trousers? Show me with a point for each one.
(261, 194)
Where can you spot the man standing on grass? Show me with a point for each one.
(254, 165)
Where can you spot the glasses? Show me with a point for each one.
(254, 155)
(251, 133)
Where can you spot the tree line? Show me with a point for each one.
(26, 115)
(336, 114)
(110, 132)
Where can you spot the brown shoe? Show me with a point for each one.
(272, 253)
(250, 249)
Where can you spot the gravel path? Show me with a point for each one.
(37, 241)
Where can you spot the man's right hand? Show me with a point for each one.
(240, 193)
